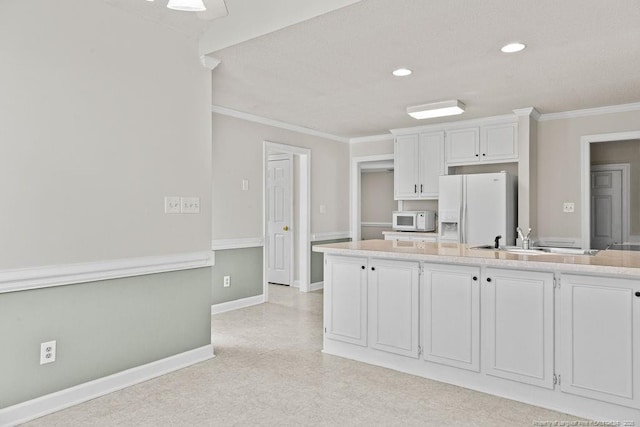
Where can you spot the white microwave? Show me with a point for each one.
(414, 220)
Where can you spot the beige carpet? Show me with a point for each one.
(269, 371)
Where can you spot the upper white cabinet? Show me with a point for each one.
(600, 338)
(451, 315)
(518, 323)
(345, 299)
(393, 306)
(486, 144)
(418, 162)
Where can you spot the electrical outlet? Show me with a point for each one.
(245, 185)
(47, 352)
(227, 281)
(323, 209)
(568, 207)
(190, 205)
(172, 205)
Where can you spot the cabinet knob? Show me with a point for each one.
(475, 277)
(484, 154)
(363, 267)
(373, 269)
(638, 294)
(476, 155)
(488, 279)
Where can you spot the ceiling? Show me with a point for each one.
(332, 73)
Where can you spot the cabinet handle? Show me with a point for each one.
(373, 269)
(475, 278)
(363, 267)
(421, 188)
(488, 279)
(415, 188)
(638, 294)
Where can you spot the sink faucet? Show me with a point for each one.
(497, 241)
(525, 239)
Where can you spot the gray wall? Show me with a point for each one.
(317, 260)
(101, 328)
(244, 266)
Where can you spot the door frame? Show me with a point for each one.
(302, 231)
(625, 168)
(585, 169)
(355, 199)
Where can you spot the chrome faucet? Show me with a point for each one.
(525, 239)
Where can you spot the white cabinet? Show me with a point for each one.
(450, 313)
(345, 299)
(518, 322)
(488, 144)
(393, 306)
(600, 338)
(418, 162)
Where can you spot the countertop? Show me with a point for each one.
(412, 233)
(609, 262)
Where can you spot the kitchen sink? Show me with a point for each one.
(540, 250)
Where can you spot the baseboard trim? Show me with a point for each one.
(62, 399)
(296, 284)
(68, 274)
(223, 307)
(316, 286)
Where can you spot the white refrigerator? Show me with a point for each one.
(476, 208)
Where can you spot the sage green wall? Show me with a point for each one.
(245, 268)
(317, 260)
(100, 327)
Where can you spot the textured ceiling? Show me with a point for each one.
(332, 73)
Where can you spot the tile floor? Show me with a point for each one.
(269, 371)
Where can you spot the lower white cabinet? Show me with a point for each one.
(393, 306)
(518, 322)
(600, 338)
(345, 299)
(451, 315)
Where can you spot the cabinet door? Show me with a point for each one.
(451, 315)
(393, 306)
(463, 145)
(600, 337)
(406, 167)
(431, 163)
(518, 324)
(345, 299)
(499, 142)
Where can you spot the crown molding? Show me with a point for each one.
(372, 138)
(275, 123)
(209, 62)
(525, 112)
(611, 109)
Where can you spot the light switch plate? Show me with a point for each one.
(172, 204)
(323, 209)
(245, 185)
(190, 205)
(568, 207)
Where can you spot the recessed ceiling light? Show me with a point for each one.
(513, 47)
(402, 72)
(436, 109)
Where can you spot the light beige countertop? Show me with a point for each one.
(622, 263)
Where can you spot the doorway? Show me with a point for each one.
(609, 204)
(588, 142)
(286, 217)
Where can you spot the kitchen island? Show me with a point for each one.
(557, 331)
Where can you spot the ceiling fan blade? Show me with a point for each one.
(215, 9)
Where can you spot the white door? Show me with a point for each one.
(463, 145)
(393, 306)
(451, 315)
(485, 208)
(606, 208)
(431, 163)
(279, 221)
(517, 309)
(405, 169)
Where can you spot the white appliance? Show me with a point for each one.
(476, 208)
(414, 220)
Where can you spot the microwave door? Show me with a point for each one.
(404, 222)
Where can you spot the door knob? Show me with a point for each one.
(285, 228)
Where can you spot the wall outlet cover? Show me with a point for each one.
(172, 204)
(47, 352)
(568, 207)
(190, 205)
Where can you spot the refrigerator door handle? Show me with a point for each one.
(463, 223)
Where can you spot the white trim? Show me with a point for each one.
(526, 112)
(209, 62)
(332, 235)
(587, 112)
(275, 123)
(585, 172)
(376, 224)
(625, 168)
(559, 242)
(67, 274)
(296, 284)
(372, 138)
(224, 244)
(62, 399)
(507, 118)
(223, 307)
(355, 189)
(316, 286)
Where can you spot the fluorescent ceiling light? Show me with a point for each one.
(513, 47)
(187, 5)
(402, 72)
(436, 109)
